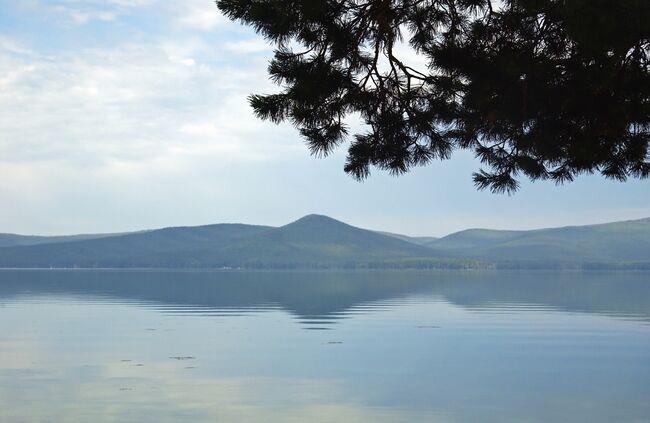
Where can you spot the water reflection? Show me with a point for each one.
(324, 347)
(322, 298)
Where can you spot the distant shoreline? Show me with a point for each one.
(334, 269)
(317, 242)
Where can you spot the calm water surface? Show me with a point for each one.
(128, 346)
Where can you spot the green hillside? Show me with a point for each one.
(313, 241)
(619, 242)
(321, 242)
(14, 240)
(473, 238)
(419, 240)
(168, 247)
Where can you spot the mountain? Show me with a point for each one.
(14, 240)
(419, 240)
(316, 241)
(167, 247)
(473, 238)
(313, 241)
(321, 239)
(609, 243)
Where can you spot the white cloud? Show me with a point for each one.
(200, 129)
(131, 103)
(82, 12)
(8, 45)
(123, 3)
(80, 17)
(201, 15)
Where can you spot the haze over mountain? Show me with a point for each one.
(420, 240)
(316, 241)
(313, 241)
(618, 242)
(14, 240)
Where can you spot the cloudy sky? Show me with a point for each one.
(120, 115)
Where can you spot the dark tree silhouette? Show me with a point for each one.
(545, 88)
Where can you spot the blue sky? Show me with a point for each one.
(121, 115)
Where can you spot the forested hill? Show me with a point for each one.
(618, 244)
(316, 241)
(311, 242)
(14, 240)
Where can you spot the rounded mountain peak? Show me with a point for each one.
(315, 218)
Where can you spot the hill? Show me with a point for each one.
(313, 241)
(316, 241)
(321, 240)
(14, 240)
(419, 240)
(621, 243)
(167, 247)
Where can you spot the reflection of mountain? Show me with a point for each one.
(330, 295)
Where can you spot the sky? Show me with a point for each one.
(120, 115)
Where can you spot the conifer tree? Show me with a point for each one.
(549, 89)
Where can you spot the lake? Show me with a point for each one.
(239, 346)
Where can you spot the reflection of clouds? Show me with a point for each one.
(63, 362)
(162, 392)
(18, 354)
(76, 362)
(481, 349)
